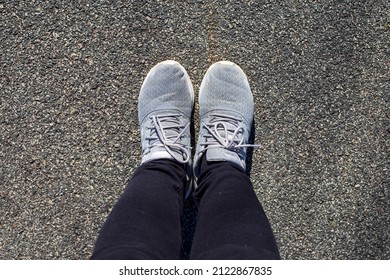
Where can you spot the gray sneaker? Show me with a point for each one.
(165, 106)
(226, 115)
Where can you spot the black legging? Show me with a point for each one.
(146, 221)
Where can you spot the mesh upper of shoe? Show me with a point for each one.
(226, 114)
(225, 86)
(166, 87)
(164, 111)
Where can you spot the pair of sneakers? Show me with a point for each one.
(165, 107)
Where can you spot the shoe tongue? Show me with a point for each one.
(169, 133)
(221, 154)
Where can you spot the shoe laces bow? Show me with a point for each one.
(226, 132)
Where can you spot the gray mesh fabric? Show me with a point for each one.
(167, 86)
(225, 86)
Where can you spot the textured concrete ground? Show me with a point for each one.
(70, 72)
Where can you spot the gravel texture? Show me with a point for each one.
(70, 73)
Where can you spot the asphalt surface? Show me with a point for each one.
(70, 73)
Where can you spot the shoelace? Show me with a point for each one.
(225, 132)
(168, 136)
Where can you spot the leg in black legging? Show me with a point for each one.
(231, 221)
(146, 221)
